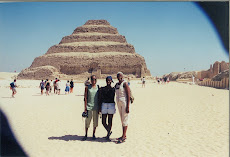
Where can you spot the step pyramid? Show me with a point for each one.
(94, 48)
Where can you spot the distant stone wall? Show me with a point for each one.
(223, 84)
(204, 74)
(214, 70)
(223, 66)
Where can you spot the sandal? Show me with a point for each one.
(107, 137)
(94, 138)
(109, 134)
(120, 138)
(84, 138)
(120, 141)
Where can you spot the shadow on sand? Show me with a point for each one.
(79, 138)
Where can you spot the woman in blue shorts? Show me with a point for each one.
(67, 87)
(107, 105)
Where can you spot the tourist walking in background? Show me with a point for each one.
(167, 80)
(143, 82)
(107, 105)
(91, 106)
(158, 80)
(162, 80)
(67, 87)
(55, 86)
(51, 86)
(87, 82)
(128, 81)
(71, 86)
(122, 99)
(47, 86)
(42, 86)
(58, 86)
(13, 86)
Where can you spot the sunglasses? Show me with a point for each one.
(93, 79)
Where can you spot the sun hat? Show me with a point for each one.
(109, 77)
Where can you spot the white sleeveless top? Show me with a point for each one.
(120, 92)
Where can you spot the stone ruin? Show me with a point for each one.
(94, 48)
(216, 69)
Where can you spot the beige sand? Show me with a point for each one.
(7, 75)
(173, 120)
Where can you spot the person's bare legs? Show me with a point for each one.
(86, 134)
(110, 120)
(104, 117)
(109, 125)
(94, 130)
(12, 93)
(124, 132)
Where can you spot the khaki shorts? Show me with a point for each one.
(94, 115)
(121, 105)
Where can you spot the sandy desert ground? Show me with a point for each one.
(173, 120)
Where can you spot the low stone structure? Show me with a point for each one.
(221, 84)
(94, 48)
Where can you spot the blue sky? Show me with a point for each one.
(171, 36)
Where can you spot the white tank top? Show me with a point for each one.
(120, 92)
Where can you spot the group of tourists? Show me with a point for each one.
(163, 80)
(97, 100)
(101, 100)
(56, 86)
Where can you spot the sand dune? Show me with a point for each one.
(173, 120)
(7, 75)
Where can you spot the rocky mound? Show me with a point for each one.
(181, 75)
(220, 76)
(94, 48)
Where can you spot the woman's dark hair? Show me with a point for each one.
(93, 76)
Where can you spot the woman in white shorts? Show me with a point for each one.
(107, 105)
